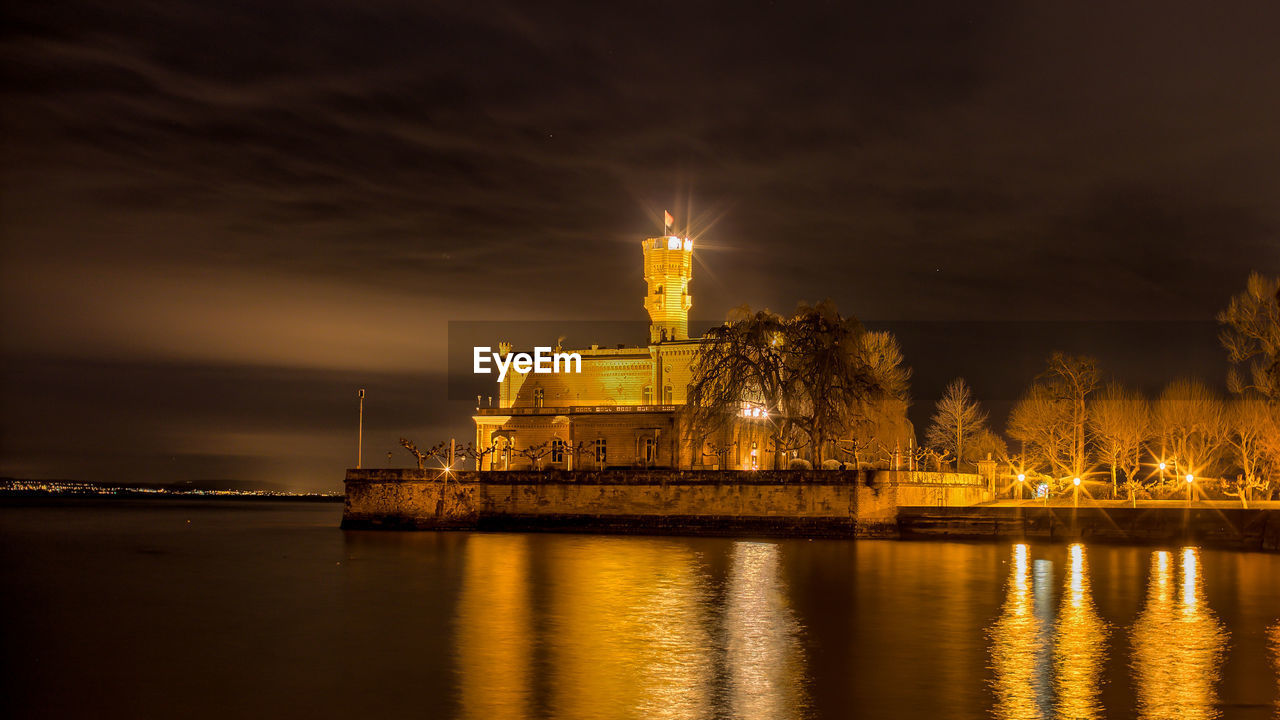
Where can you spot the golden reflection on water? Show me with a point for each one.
(494, 632)
(1042, 667)
(629, 635)
(765, 663)
(1019, 646)
(1177, 642)
(628, 629)
(1080, 649)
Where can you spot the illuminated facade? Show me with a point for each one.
(624, 409)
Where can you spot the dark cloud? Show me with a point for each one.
(319, 187)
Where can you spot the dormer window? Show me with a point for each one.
(537, 397)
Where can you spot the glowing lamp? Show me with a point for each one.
(1076, 481)
(1022, 477)
(1190, 478)
(1162, 466)
(673, 243)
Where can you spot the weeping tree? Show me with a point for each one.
(742, 360)
(832, 374)
(811, 371)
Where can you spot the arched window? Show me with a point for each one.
(666, 395)
(537, 397)
(648, 395)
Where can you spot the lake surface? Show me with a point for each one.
(213, 609)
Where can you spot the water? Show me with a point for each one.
(210, 609)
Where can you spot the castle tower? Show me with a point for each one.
(668, 266)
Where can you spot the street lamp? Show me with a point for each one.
(1022, 483)
(360, 430)
(1075, 493)
(1190, 481)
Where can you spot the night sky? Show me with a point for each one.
(220, 219)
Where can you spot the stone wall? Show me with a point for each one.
(408, 499)
(767, 501)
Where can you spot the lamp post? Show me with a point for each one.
(1075, 494)
(1191, 479)
(1022, 483)
(360, 430)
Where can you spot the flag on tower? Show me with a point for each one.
(669, 220)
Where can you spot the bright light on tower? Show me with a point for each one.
(673, 243)
(688, 245)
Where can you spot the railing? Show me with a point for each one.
(575, 409)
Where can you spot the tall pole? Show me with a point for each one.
(360, 431)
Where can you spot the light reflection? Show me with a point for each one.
(1019, 642)
(1046, 667)
(1274, 635)
(494, 633)
(764, 660)
(629, 630)
(1080, 644)
(1177, 643)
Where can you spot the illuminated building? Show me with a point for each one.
(624, 408)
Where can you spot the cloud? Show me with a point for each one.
(263, 185)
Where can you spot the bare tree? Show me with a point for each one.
(1120, 422)
(1072, 378)
(478, 454)
(412, 447)
(988, 443)
(1252, 432)
(535, 453)
(1042, 421)
(1251, 334)
(1191, 421)
(957, 420)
